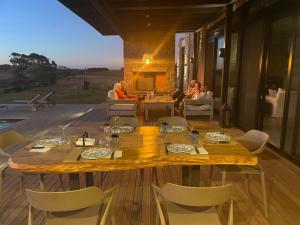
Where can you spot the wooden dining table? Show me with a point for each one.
(143, 148)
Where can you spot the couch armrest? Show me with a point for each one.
(122, 101)
(196, 102)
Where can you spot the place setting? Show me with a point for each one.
(189, 146)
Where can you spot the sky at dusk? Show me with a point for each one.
(47, 27)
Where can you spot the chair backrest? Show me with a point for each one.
(10, 138)
(34, 99)
(124, 121)
(45, 97)
(111, 95)
(194, 196)
(68, 200)
(258, 137)
(173, 121)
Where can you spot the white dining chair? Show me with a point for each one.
(255, 141)
(7, 140)
(182, 205)
(79, 207)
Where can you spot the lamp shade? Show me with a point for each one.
(147, 58)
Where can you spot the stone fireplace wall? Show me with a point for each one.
(161, 46)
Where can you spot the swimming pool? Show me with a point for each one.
(5, 123)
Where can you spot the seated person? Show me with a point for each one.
(198, 94)
(125, 90)
(178, 96)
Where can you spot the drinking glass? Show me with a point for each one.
(114, 141)
(195, 137)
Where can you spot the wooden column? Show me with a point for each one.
(196, 49)
(227, 37)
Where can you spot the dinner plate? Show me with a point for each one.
(96, 153)
(49, 142)
(176, 129)
(217, 137)
(126, 129)
(180, 148)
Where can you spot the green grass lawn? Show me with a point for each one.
(69, 91)
(62, 95)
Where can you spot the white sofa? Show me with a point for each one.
(199, 107)
(276, 100)
(120, 107)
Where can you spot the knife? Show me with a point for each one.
(196, 149)
(112, 155)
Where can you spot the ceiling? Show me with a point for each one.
(118, 17)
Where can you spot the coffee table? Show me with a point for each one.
(158, 101)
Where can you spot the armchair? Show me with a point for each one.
(199, 107)
(120, 107)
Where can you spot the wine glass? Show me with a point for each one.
(115, 120)
(63, 139)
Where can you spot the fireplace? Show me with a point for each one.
(158, 74)
(149, 81)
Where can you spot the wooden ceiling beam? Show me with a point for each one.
(150, 8)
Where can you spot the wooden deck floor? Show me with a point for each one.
(135, 204)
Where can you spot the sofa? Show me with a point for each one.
(203, 106)
(120, 107)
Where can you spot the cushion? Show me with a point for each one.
(209, 95)
(121, 107)
(112, 95)
(272, 92)
(198, 107)
(280, 92)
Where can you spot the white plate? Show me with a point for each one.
(96, 153)
(180, 148)
(217, 137)
(176, 129)
(126, 129)
(49, 142)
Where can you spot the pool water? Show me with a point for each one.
(5, 123)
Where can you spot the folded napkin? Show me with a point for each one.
(202, 151)
(44, 149)
(117, 154)
(88, 142)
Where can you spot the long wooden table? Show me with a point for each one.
(142, 148)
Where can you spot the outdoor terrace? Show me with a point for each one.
(135, 204)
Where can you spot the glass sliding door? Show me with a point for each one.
(219, 62)
(292, 137)
(277, 79)
(233, 74)
(250, 75)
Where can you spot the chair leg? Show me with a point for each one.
(1, 182)
(263, 185)
(157, 222)
(42, 182)
(21, 187)
(142, 176)
(154, 175)
(210, 175)
(61, 181)
(223, 177)
(247, 183)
